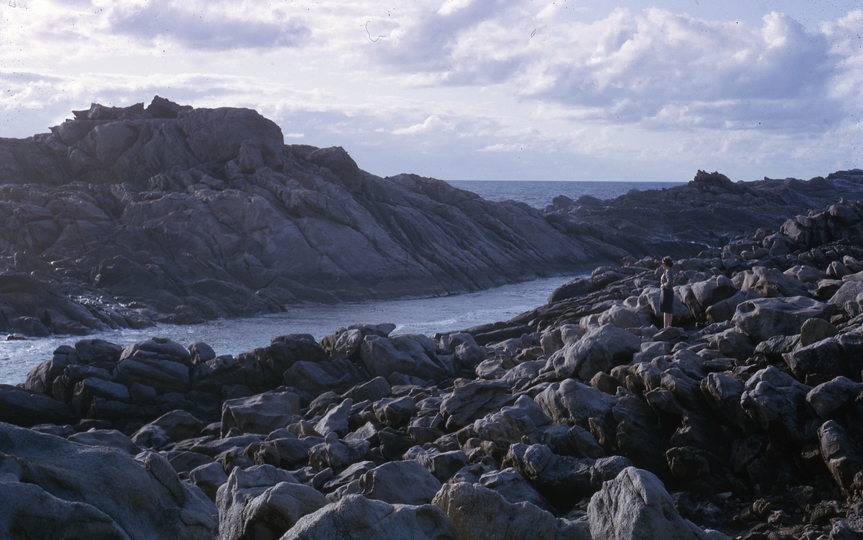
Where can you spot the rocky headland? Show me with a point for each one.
(123, 217)
(707, 212)
(579, 419)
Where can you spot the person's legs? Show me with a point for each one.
(666, 320)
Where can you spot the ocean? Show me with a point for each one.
(411, 316)
(539, 193)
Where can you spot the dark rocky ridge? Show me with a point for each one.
(126, 216)
(578, 420)
(706, 212)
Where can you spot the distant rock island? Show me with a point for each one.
(123, 217)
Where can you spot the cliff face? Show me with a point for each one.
(126, 216)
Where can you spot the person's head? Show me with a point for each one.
(666, 261)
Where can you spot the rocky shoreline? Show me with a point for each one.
(579, 419)
(126, 217)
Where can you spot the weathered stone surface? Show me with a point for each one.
(479, 513)
(599, 350)
(770, 283)
(563, 480)
(513, 487)
(473, 400)
(358, 518)
(767, 317)
(24, 408)
(140, 498)
(262, 503)
(173, 426)
(775, 400)
(336, 419)
(106, 437)
(384, 356)
(262, 413)
(400, 482)
(338, 455)
(27, 509)
(636, 506)
(513, 422)
(829, 398)
(160, 364)
(828, 358)
(209, 478)
(572, 401)
(841, 455)
(373, 390)
(815, 330)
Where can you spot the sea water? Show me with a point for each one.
(411, 316)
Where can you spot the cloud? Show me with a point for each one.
(669, 71)
(209, 26)
(432, 123)
(463, 88)
(500, 147)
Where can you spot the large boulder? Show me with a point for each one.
(573, 402)
(336, 419)
(262, 413)
(776, 401)
(636, 506)
(26, 408)
(262, 503)
(599, 350)
(840, 453)
(764, 318)
(832, 396)
(400, 482)
(829, 358)
(563, 480)
(473, 400)
(106, 437)
(479, 513)
(769, 282)
(512, 422)
(173, 426)
(159, 363)
(94, 492)
(383, 356)
(846, 293)
(357, 518)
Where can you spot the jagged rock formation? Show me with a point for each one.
(580, 419)
(706, 212)
(125, 216)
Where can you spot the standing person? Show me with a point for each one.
(666, 295)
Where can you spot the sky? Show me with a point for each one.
(472, 89)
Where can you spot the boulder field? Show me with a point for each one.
(579, 419)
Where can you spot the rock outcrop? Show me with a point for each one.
(48, 485)
(708, 212)
(125, 216)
